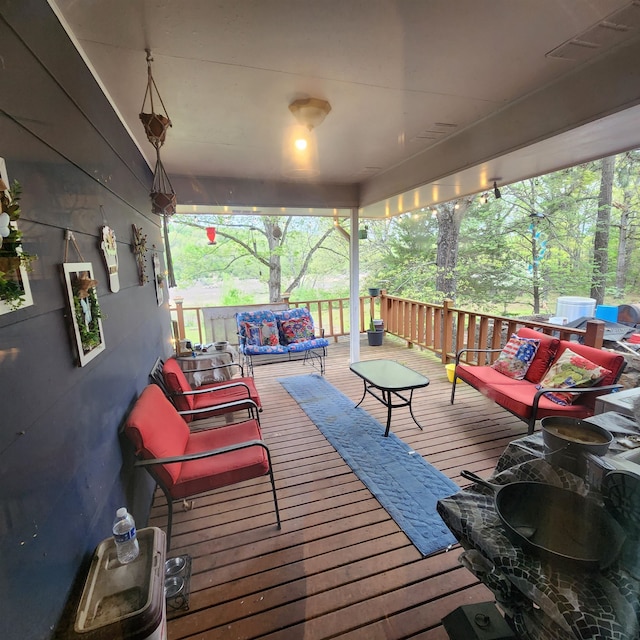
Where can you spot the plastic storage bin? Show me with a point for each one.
(608, 313)
(125, 600)
(574, 307)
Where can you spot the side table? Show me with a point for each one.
(197, 368)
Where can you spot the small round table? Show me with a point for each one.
(197, 368)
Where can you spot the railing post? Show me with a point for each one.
(447, 329)
(285, 298)
(594, 336)
(180, 316)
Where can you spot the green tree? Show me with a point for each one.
(258, 244)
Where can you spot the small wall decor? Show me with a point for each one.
(15, 292)
(140, 252)
(84, 310)
(110, 253)
(158, 278)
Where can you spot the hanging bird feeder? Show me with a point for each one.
(155, 124)
(211, 234)
(163, 197)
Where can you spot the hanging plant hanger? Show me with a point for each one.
(155, 124)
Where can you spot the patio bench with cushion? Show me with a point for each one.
(268, 336)
(538, 375)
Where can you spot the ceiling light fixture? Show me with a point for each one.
(310, 112)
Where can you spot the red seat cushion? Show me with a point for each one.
(157, 431)
(515, 395)
(547, 350)
(198, 476)
(221, 396)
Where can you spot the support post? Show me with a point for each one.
(354, 287)
(594, 336)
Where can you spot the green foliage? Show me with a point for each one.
(234, 297)
(12, 256)
(90, 335)
(537, 237)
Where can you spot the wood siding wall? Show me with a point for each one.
(63, 469)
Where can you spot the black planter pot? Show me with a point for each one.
(374, 292)
(375, 338)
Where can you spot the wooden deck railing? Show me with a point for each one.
(443, 329)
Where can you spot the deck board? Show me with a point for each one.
(340, 567)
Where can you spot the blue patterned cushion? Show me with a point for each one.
(315, 343)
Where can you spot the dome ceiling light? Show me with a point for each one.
(310, 112)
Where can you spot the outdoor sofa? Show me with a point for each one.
(538, 375)
(270, 336)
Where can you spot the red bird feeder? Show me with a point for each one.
(211, 234)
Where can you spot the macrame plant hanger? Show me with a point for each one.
(163, 197)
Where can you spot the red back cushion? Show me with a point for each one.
(157, 431)
(611, 360)
(544, 356)
(177, 384)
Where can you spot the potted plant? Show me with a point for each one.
(12, 257)
(374, 336)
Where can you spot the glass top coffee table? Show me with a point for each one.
(388, 381)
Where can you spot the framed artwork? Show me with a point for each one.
(15, 291)
(84, 310)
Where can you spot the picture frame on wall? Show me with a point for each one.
(15, 290)
(84, 310)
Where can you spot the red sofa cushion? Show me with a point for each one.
(544, 356)
(610, 360)
(198, 476)
(515, 395)
(157, 431)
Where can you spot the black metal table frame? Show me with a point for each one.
(388, 395)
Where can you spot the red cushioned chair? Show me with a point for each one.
(186, 463)
(214, 399)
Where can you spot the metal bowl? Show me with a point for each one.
(220, 346)
(174, 565)
(574, 436)
(173, 586)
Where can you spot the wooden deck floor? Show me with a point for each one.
(340, 567)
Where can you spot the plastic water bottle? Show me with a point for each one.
(124, 534)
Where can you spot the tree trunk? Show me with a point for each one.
(274, 238)
(535, 270)
(449, 219)
(621, 265)
(601, 239)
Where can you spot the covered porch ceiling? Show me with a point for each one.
(430, 99)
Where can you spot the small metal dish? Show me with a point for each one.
(173, 586)
(174, 565)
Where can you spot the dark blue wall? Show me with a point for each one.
(63, 468)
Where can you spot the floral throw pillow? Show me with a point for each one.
(571, 370)
(516, 357)
(297, 329)
(262, 334)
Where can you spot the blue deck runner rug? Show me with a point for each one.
(405, 484)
